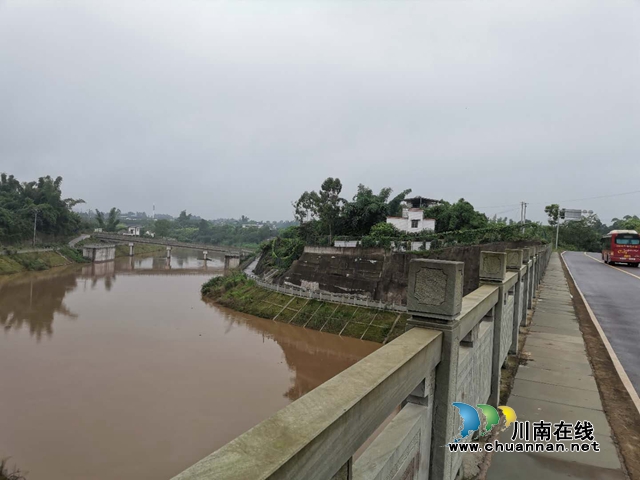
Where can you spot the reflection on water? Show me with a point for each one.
(142, 378)
(305, 352)
(32, 302)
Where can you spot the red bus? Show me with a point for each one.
(621, 246)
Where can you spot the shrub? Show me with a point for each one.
(6, 474)
(217, 286)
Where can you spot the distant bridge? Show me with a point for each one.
(114, 237)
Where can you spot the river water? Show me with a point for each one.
(120, 370)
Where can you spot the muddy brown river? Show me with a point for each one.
(120, 370)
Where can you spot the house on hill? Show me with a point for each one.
(412, 219)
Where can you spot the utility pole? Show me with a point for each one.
(35, 219)
(558, 225)
(523, 214)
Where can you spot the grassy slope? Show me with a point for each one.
(44, 260)
(30, 261)
(243, 295)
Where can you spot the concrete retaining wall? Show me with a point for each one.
(378, 274)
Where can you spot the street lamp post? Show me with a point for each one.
(560, 216)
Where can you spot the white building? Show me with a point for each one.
(412, 221)
(133, 230)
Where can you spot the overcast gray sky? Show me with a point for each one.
(231, 108)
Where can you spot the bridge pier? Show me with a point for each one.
(204, 254)
(231, 261)
(169, 253)
(131, 249)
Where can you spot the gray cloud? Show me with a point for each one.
(230, 108)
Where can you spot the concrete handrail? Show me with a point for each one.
(343, 298)
(339, 416)
(454, 351)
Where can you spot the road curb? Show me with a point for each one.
(624, 378)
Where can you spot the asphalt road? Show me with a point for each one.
(613, 293)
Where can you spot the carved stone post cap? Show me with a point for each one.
(493, 266)
(435, 288)
(515, 257)
(526, 254)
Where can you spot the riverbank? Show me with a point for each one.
(58, 257)
(122, 249)
(40, 260)
(242, 294)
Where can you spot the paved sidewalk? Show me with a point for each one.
(557, 384)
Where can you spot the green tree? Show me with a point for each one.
(100, 219)
(365, 210)
(394, 207)
(553, 212)
(183, 219)
(628, 222)
(582, 235)
(162, 227)
(306, 207)
(329, 204)
(113, 220)
(457, 216)
(19, 203)
(110, 223)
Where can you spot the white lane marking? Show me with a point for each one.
(614, 358)
(619, 269)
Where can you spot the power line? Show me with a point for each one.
(592, 198)
(564, 201)
(500, 206)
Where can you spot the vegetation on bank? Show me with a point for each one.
(34, 261)
(24, 203)
(14, 262)
(192, 229)
(240, 293)
(10, 474)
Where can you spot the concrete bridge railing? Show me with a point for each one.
(343, 298)
(453, 352)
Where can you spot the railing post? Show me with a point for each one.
(434, 300)
(531, 275)
(514, 264)
(493, 268)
